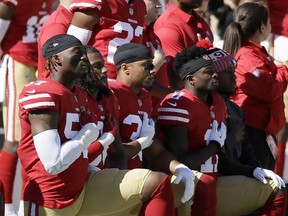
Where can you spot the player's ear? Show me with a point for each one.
(125, 68)
(190, 79)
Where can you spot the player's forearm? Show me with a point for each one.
(131, 149)
(194, 160)
(117, 157)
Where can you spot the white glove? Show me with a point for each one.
(106, 139)
(262, 174)
(187, 176)
(218, 135)
(88, 134)
(147, 132)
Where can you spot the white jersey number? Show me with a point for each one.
(34, 25)
(116, 42)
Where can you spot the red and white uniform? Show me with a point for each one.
(150, 37)
(20, 40)
(182, 108)
(120, 23)
(177, 30)
(261, 84)
(105, 108)
(131, 109)
(52, 191)
(57, 23)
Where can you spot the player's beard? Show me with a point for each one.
(148, 85)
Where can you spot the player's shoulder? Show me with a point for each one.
(115, 85)
(48, 86)
(176, 100)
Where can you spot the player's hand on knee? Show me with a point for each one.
(262, 174)
(187, 176)
(147, 132)
(218, 134)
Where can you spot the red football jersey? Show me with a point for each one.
(121, 23)
(52, 191)
(107, 107)
(131, 109)
(57, 23)
(20, 40)
(182, 108)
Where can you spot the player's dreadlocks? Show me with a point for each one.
(91, 81)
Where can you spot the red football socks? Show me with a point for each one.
(8, 163)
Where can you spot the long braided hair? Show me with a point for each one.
(91, 81)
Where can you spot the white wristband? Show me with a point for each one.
(106, 139)
(83, 35)
(144, 142)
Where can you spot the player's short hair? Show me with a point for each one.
(130, 52)
(59, 43)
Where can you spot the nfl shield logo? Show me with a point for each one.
(100, 108)
(131, 11)
(140, 102)
(212, 114)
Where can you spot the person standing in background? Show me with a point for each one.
(180, 27)
(261, 80)
(20, 23)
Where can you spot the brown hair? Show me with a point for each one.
(248, 18)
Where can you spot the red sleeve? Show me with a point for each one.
(11, 3)
(83, 5)
(94, 150)
(257, 78)
(173, 111)
(36, 97)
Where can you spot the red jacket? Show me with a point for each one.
(260, 88)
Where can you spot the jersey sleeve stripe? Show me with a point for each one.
(84, 5)
(39, 104)
(174, 110)
(173, 118)
(36, 96)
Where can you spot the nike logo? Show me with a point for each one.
(31, 91)
(172, 104)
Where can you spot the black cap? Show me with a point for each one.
(59, 43)
(130, 52)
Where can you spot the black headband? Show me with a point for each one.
(130, 52)
(59, 43)
(193, 66)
